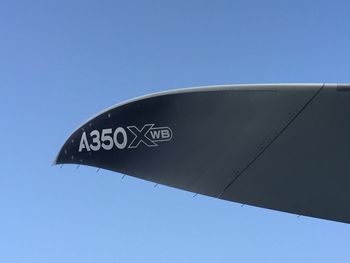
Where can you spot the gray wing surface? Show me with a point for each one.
(278, 146)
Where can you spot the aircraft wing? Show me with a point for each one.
(279, 146)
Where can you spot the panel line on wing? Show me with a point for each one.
(272, 140)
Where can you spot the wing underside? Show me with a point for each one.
(278, 146)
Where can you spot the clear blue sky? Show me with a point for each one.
(63, 61)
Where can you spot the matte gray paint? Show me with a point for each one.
(279, 146)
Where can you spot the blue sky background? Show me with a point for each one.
(64, 61)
